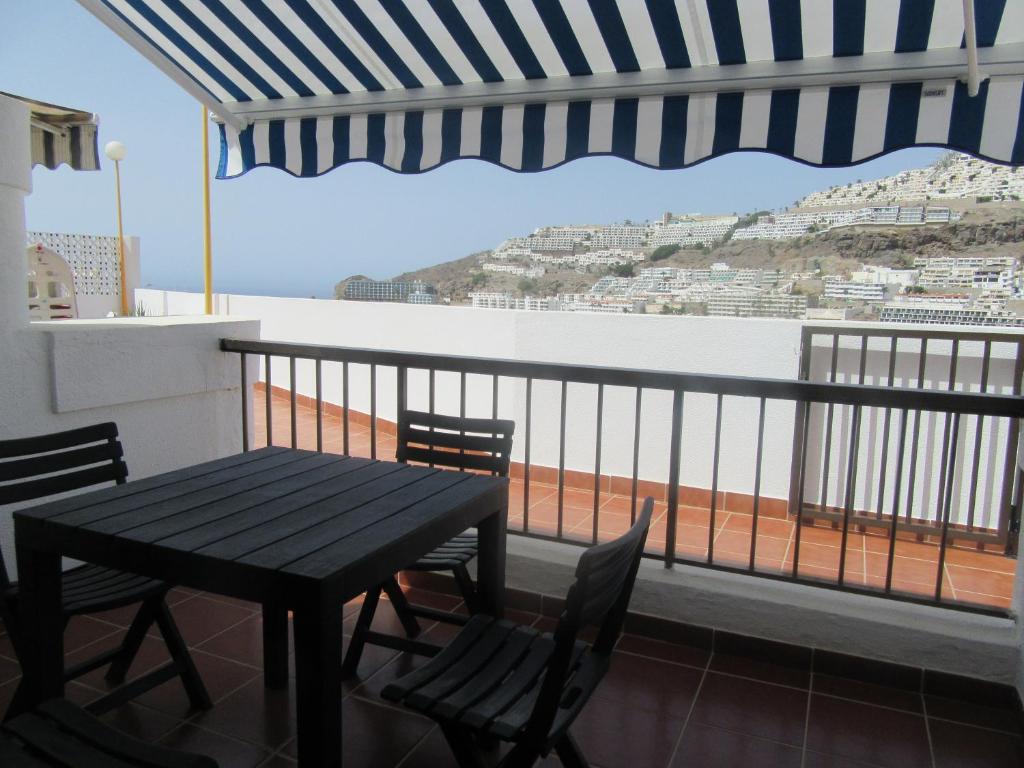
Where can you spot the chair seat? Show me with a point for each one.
(489, 677)
(458, 550)
(61, 734)
(92, 588)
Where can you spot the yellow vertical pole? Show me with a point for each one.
(120, 241)
(207, 244)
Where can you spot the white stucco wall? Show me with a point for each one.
(173, 394)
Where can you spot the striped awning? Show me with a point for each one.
(61, 135)
(308, 85)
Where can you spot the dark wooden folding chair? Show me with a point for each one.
(498, 681)
(454, 442)
(38, 467)
(60, 734)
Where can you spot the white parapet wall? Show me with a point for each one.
(173, 394)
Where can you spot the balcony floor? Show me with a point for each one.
(661, 706)
(970, 575)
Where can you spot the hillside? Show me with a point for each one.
(985, 230)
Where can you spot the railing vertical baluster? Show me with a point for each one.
(1009, 522)
(916, 437)
(862, 368)
(292, 393)
(895, 518)
(373, 410)
(431, 398)
(851, 489)
(713, 509)
(636, 455)
(757, 483)
(954, 355)
(828, 426)
(344, 407)
(561, 456)
(319, 408)
(887, 424)
(267, 398)
(401, 396)
(597, 458)
(674, 457)
(801, 476)
(494, 407)
(526, 456)
(462, 408)
(950, 458)
(245, 404)
(978, 432)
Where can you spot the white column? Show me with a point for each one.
(15, 183)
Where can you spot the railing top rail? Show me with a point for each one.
(1004, 335)
(715, 384)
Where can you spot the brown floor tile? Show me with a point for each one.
(703, 745)
(616, 736)
(375, 736)
(242, 643)
(762, 660)
(636, 682)
(868, 693)
(754, 708)
(253, 713)
(972, 713)
(220, 676)
(142, 722)
(883, 737)
(201, 618)
(664, 651)
(228, 752)
(959, 746)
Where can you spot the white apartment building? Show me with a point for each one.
(899, 278)
(945, 314)
(966, 272)
(689, 232)
(785, 226)
(749, 303)
(496, 300)
(621, 236)
(837, 288)
(514, 269)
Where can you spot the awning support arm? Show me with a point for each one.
(974, 74)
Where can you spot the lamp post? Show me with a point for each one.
(116, 151)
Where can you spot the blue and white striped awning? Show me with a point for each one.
(308, 85)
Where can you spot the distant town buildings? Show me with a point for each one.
(954, 177)
(411, 292)
(785, 226)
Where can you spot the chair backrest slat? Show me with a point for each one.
(455, 442)
(45, 465)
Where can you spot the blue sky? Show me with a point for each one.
(278, 235)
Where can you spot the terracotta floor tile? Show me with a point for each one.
(228, 752)
(959, 746)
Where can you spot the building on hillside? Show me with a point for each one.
(387, 290)
(514, 269)
(940, 313)
(496, 300)
(837, 288)
(748, 303)
(897, 278)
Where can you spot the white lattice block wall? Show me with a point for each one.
(94, 265)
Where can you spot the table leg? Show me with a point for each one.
(275, 646)
(41, 625)
(318, 685)
(490, 576)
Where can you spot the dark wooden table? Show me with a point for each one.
(293, 530)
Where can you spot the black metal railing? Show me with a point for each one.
(967, 361)
(692, 406)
